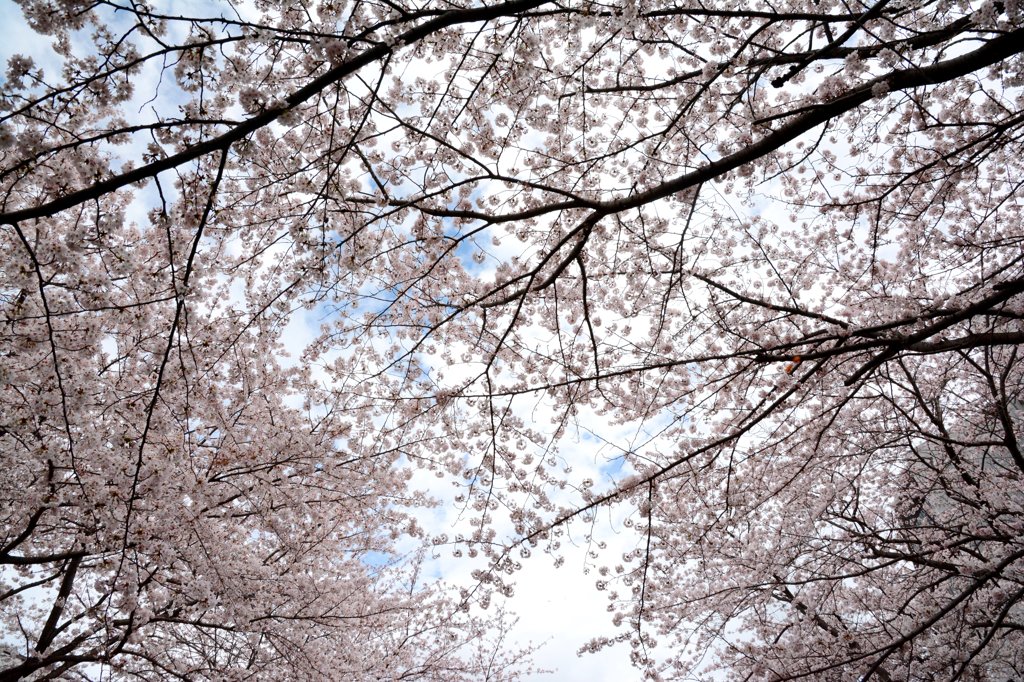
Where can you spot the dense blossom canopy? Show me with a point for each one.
(780, 243)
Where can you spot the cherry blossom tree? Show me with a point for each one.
(781, 244)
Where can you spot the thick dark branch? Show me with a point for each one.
(1004, 291)
(989, 54)
(265, 118)
(37, 559)
(969, 341)
(50, 630)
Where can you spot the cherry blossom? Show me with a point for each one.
(779, 244)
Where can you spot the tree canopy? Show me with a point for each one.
(779, 243)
